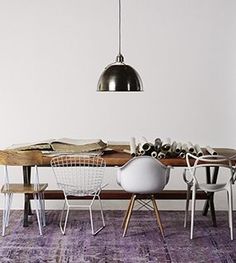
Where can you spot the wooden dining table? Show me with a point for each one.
(26, 159)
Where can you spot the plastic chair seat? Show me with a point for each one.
(143, 175)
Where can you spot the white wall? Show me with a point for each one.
(52, 53)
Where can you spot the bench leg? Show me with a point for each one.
(27, 206)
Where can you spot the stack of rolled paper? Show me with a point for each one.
(166, 148)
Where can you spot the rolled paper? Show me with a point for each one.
(132, 146)
(211, 151)
(140, 149)
(169, 154)
(151, 149)
(154, 154)
(145, 144)
(157, 144)
(198, 150)
(184, 148)
(173, 146)
(182, 155)
(190, 147)
(139, 154)
(161, 155)
(166, 144)
(149, 152)
(178, 147)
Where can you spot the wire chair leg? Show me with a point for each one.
(129, 214)
(101, 208)
(91, 218)
(37, 205)
(187, 205)
(193, 210)
(62, 212)
(63, 228)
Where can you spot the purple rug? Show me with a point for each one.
(142, 244)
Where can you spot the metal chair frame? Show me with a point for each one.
(79, 176)
(38, 201)
(144, 204)
(193, 183)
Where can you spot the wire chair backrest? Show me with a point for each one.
(217, 161)
(78, 175)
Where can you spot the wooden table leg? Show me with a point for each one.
(208, 181)
(210, 201)
(27, 206)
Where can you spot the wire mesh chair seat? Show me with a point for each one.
(74, 192)
(193, 181)
(79, 176)
(36, 189)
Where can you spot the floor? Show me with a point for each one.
(142, 244)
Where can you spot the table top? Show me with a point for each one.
(114, 158)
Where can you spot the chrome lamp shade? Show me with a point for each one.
(120, 77)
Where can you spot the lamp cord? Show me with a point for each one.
(119, 27)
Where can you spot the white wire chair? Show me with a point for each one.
(194, 183)
(36, 189)
(79, 176)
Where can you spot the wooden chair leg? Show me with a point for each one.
(129, 214)
(126, 212)
(157, 215)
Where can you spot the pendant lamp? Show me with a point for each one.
(119, 77)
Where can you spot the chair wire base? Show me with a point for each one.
(82, 176)
(67, 203)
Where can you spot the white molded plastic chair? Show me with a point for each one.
(79, 176)
(36, 189)
(194, 182)
(143, 175)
